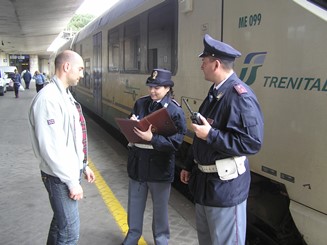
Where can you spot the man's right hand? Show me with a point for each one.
(76, 193)
(185, 176)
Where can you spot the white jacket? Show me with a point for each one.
(56, 133)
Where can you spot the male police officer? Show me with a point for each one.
(231, 128)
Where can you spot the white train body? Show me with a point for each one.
(283, 46)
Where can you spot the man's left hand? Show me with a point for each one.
(201, 131)
(89, 175)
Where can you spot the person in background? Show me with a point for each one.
(17, 83)
(59, 139)
(217, 168)
(151, 166)
(39, 80)
(27, 78)
(45, 78)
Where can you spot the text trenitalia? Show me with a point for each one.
(296, 83)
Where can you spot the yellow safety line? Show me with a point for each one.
(112, 203)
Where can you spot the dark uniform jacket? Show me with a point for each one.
(158, 164)
(237, 130)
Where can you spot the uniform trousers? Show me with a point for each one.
(137, 196)
(221, 225)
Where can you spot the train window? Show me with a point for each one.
(321, 3)
(113, 51)
(161, 36)
(132, 46)
(87, 73)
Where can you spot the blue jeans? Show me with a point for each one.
(16, 88)
(64, 228)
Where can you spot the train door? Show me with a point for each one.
(97, 72)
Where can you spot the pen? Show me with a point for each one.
(135, 117)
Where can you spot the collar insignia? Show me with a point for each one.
(220, 95)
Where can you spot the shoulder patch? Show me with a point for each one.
(51, 121)
(240, 89)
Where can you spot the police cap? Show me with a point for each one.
(217, 49)
(160, 77)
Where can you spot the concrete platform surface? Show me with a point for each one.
(25, 212)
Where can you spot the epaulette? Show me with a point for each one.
(240, 89)
(176, 102)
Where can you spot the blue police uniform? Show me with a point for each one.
(237, 130)
(151, 167)
(157, 164)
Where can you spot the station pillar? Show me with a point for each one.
(34, 63)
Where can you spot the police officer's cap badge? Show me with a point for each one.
(154, 74)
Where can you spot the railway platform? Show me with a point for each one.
(25, 212)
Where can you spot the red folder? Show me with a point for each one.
(160, 120)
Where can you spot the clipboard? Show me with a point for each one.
(161, 124)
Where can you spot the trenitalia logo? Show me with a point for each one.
(253, 61)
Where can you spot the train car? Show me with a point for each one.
(283, 45)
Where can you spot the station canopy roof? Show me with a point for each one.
(30, 26)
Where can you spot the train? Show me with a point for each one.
(283, 46)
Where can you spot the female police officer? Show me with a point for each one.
(151, 166)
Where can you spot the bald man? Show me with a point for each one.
(59, 139)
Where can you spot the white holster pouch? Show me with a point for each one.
(230, 168)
